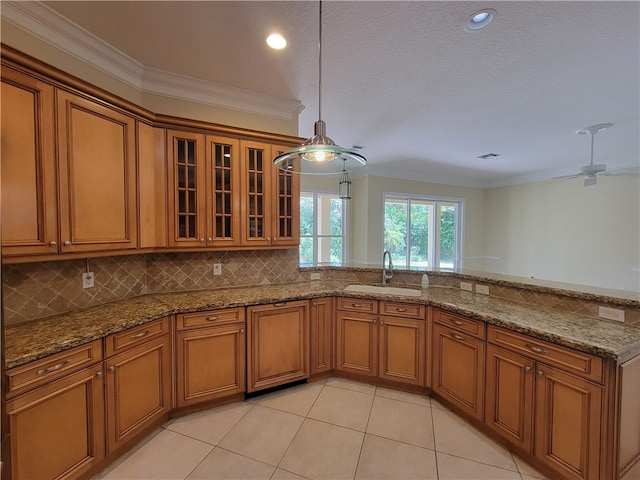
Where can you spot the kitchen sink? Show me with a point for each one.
(409, 292)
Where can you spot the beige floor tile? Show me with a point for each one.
(527, 470)
(323, 451)
(212, 425)
(168, 455)
(298, 399)
(221, 464)
(262, 434)
(280, 474)
(402, 421)
(351, 385)
(382, 458)
(456, 437)
(404, 396)
(346, 408)
(456, 468)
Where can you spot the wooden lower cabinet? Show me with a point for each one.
(458, 369)
(210, 357)
(568, 415)
(278, 340)
(402, 349)
(357, 343)
(57, 430)
(509, 396)
(138, 389)
(321, 336)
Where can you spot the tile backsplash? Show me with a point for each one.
(36, 290)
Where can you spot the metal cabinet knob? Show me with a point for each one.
(53, 243)
(67, 243)
(527, 369)
(540, 373)
(112, 368)
(99, 374)
(202, 240)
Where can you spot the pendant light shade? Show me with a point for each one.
(319, 153)
(344, 187)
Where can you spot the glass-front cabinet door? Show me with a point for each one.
(223, 188)
(256, 191)
(187, 180)
(286, 210)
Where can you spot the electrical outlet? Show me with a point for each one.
(315, 276)
(88, 280)
(466, 286)
(482, 289)
(217, 269)
(611, 314)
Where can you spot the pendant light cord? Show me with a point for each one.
(320, 61)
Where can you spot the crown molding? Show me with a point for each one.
(46, 24)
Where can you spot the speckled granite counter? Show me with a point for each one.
(30, 341)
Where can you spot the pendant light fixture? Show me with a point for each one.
(344, 187)
(319, 151)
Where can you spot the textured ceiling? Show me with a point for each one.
(424, 95)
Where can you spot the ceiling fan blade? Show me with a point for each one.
(588, 181)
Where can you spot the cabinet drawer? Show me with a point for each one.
(121, 341)
(26, 377)
(567, 359)
(407, 310)
(188, 321)
(464, 324)
(358, 305)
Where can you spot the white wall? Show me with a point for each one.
(563, 231)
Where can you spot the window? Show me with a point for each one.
(322, 229)
(423, 231)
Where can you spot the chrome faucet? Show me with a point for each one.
(387, 273)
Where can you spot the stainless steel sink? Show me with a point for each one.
(409, 292)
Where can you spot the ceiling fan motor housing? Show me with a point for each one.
(590, 170)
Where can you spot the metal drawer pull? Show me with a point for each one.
(533, 348)
(456, 336)
(401, 309)
(212, 318)
(44, 371)
(356, 305)
(140, 335)
(458, 322)
(279, 304)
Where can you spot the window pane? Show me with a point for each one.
(306, 251)
(329, 250)
(306, 215)
(447, 235)
(419, 236)
(336, 216)
(395, 230)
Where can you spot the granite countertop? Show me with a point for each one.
(40, 338)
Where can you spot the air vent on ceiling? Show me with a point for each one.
(488, 155)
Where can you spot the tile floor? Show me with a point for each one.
(333, 429)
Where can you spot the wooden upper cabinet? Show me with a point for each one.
(152, 186)
(271, 198)
(187, 225)
(29, 210)
(223, 191)
(97, 176)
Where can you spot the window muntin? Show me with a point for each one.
(422, 232)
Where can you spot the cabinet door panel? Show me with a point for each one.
(152, 184)
(57, 431)
(256, 189)
(138, 389)
(97, 166)
(278, 338)
(29, 213)
(458, 369)
(509, 396)
(286, 211)
(211, 363)
(568, 416)
(357, 343)
(402, 350)
(322, 338)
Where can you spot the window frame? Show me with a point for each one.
(315, 194)
(433, 254)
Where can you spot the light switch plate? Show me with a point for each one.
(611, 314)
(466, 286)
(88, 280)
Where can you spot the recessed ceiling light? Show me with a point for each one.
(276, 41)
(481, 19)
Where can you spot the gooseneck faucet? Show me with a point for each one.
(387, 273)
